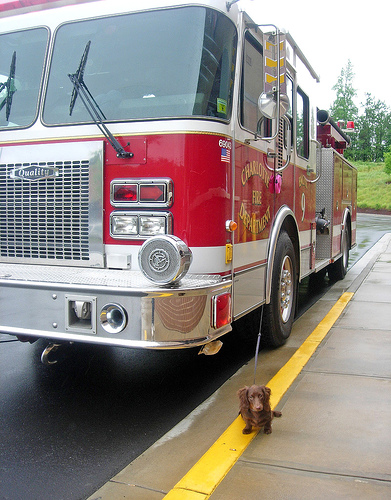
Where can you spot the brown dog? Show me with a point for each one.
(255, 408)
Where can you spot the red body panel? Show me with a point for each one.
(203, 186)
(201, 179)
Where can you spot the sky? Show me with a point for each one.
(329, 33)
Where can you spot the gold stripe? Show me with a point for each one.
(45, 140)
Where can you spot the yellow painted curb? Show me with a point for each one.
(203, 478)
(179, 494)
(284, 378)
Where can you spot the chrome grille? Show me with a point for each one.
(47, 218)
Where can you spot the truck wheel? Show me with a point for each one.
(279, 314)
(338, 269)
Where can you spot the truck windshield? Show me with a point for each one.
(176, 62)
(22, 55)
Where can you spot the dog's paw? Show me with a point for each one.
(246, 431)
(277, 414)
(267, 430)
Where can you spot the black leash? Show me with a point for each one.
(258, 344)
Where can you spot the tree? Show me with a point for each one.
(372, 135)
(373, 130)
(387, 162)
(343, 108)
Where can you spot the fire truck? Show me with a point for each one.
(164, 173)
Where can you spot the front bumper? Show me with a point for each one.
(37, 301)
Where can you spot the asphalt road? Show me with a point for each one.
(67, 429)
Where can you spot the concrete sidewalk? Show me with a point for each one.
(334, 439)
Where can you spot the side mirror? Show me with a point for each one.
(267, 104)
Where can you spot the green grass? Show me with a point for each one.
(373, 186)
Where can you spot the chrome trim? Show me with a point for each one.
(34, 173)
(109, 322)
(297, 52)
(164, 259)
(138, 236)
(166, 317)
(140, 181)
(110, 280)
(288, 146)
(347, 211)
(72, 322)
(118, 342)
(249, 269)
(53, 220)
(214, 308)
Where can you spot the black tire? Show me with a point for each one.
(279, 314)
(338, 269)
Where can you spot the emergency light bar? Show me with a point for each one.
(7, 5)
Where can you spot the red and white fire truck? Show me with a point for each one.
(163, 173)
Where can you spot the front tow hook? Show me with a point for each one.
(48, 357)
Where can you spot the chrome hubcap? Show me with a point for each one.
(286, 289)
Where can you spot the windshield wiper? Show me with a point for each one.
(9, 85)
(97, 115)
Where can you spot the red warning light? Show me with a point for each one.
(152, 192)
(127, 192)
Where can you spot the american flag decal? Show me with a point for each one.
(225, 155)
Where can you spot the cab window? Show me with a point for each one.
(252, 85)
(146, 65)
(22, 61)
(302, 124)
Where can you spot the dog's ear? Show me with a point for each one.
(267, 393)
(243, 399)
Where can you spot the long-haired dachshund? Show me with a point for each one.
(255, 408)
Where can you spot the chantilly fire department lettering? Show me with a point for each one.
(257, 197)
(254, 168)
(254, 225)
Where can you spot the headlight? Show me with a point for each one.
(152, 226)
(130, 225)
(124, 225)
(164, 259)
